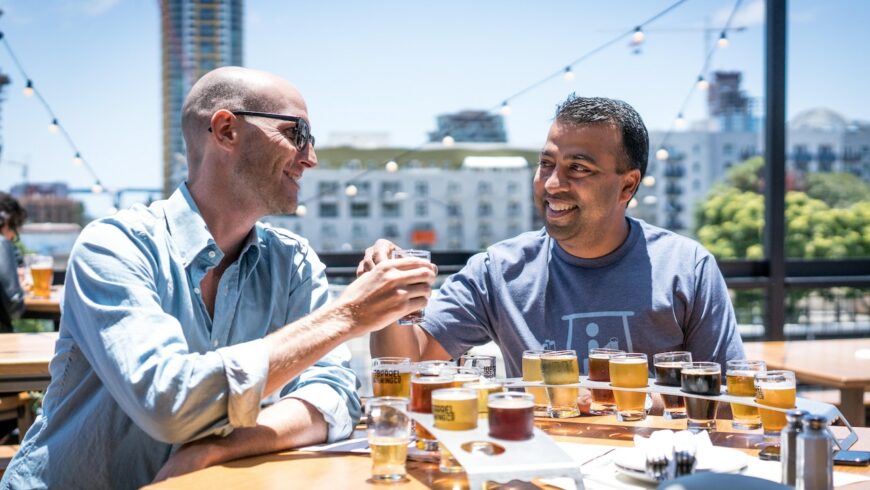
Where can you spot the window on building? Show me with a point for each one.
(391, 231)
(391, 210)
(359, 210)
(696, 184)
(696, 167)
(206, 47)
(421, 209)
(206, 30)
(484, 209)
(513, 208)
(327, 188)
(421, 189)
(390, 188)
(484, 187)
(696, 149)
(206, 13)
(513, 188)
(328, 210)
(728, 149)
(453, 187)
(454, 210)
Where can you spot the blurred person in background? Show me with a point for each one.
(12, 217)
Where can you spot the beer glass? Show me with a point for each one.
(461, 375)
(484, 388)
(485, 363)
(775, 389)
(388, 429)
(702, 378)
(667, 366)
(629, 370)
(453, 409)
(416, 317)
(391, 376)
(740, 379)
(599, 370)
(429, 368)
(42, 272)
(422, 387)
(561, 368)
(511, 415)
(532, 372)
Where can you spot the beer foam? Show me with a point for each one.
(699, 371)
(627, 360)
(512, 403)
(669, 364)
(738, 372)
(770, 385)
(431, 380)
(454, 394)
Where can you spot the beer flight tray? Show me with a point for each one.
(830, 412)
(485, 458)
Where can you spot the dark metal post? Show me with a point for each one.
(774, 147)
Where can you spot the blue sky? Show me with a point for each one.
(392, 66)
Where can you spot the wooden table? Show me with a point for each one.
(44, 308)
(313, 471)
(24, 359)
(843, 364)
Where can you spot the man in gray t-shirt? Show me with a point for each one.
(592, 277)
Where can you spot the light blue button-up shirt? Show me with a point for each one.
(140, 366)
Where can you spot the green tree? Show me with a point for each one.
(837, 189)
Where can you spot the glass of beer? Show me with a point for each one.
(667, 366)
(740, 378)
(560, 368)
(702, 378)
(485, 363)
(453, 409)
(42, 272)
(461, 375)
(599, 370)
(389, 430)
(421, 402)
(391, 376)
(484, 388)
(776, 389)
(630, 370)
(511, 415)
(416, 317)
(532, 372)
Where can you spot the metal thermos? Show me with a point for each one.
(815, 459)
(788, 444)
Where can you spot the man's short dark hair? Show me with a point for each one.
(601, 110)
(11, 212)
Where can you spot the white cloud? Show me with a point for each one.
(97, 7)
(750, 14)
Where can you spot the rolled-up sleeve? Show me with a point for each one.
(246, 367)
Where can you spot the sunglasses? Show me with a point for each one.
(300, 135)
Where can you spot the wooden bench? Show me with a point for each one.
(6, 454)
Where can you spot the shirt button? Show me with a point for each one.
(196, 290)
(211, 254)
(215, 343)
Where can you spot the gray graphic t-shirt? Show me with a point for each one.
(657, 292)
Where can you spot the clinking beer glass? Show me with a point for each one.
(416, 317)
(389, 430)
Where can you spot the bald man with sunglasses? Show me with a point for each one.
(182, 319)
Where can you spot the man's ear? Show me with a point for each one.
(224, 129)
(630, 183)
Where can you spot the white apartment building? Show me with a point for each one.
(465, 197)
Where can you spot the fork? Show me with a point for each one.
(685, 463)
(657, 465)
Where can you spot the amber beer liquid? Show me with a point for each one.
(629, 371)
(603, 402)
(41, 281)
(560, 368)
(779, 395)
(388, 457)
(742, 384)
(511, 416)
(391, 382)
(532, 372)
(421, 400)
(483, 390)
(455, 409)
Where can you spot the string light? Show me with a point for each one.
(301, 210)
(505, 109)
(638, 36)
(77, 160)
(650, 200)
(54, 127)
(448, 140)
(569, 75)
(351, 190)
(28, 89)
(702, 83)
(633, 203)
(649, 181)
(97, 188)
(662, 154)
(723, 40)
(391, 166)
(680, 122)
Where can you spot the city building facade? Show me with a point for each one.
(197, 36)
(470, 127)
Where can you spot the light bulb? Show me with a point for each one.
(680, 122)
(505, 109)
(661, 154)
(350, 190)
(97, 188)
(28, 90)
(650, 200)
(649, 180)
(112, 210)
(77, 160)
(723, 41)
(391, 166)
(53, 127)
(448, 140)
(702, 84)
(301, 210)
(569, 75)
(638, 36)
(633, 203)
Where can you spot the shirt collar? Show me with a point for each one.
(186, 226)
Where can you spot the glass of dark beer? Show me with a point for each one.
(511, 415)
(599, 370)
(668, 366)
(702, 378)
(416, 317)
